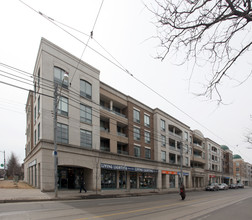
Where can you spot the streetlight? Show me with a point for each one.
(4, 163)
(55, 154)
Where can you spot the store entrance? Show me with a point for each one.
(69, 177)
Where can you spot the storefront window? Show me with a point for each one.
(108, 179)
(122, 180)
(147, 180)
(172, 181)
(133, 180)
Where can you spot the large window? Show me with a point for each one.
(108, 179)
(172, 181)
(38, 131)
(136, 151)
(63, 106)
(163, 140)
(59, 77)
(38, 105)
(136, 134)
(146, 120)
(136, 116)
(147, 137)
(147, 153)
(162, 124)
(85, 89)
(62, 133)
(163, 156)
(85, 114)
(86, 138)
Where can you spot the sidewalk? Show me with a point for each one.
(21, 192)
(31, 195)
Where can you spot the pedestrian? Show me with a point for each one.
(82, 184)
(182, 191)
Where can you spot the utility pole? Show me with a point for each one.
(181, 163)
(4, 165)
(55, 111)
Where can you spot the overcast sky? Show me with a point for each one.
(125, 29)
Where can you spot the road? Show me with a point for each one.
(229, 204)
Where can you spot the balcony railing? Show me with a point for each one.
(175, 135)
(104, 129)
(122, 152)
(117, 113)
(102, 148)
(121, 134)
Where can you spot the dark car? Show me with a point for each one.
(212, 187)
(233, 186)
(240, 185)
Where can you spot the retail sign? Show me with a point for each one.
(184, 174)
(169, 172)
(212, 176)
(126, 168)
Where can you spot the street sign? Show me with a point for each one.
(2, 165)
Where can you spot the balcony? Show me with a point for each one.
(198, 158)
(175, 135)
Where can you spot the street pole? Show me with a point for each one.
(55, 141)
(4, 165)
(181, 163)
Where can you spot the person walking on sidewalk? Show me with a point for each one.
(82, 184)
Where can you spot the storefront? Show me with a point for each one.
(170, 179)
(125, 177)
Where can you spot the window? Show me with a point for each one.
(147, 153)
(38, 105)
(85, 89)
(35, 114)
(187, 161)
(62, 133)
(35, 137)
(186, 136)
(59, 77)
(85, 114)
(136, 151)
(163, 156)
(86, 138)
(163, 140)
(38, 131)
(136, 134)
(147, 137)
(38, 78)
(63, 106)
(162, 125)
(146, 120)
(237, 169)
(237, 164)
(136, 116)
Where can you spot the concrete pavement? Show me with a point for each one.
(30, 195)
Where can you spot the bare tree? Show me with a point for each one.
(213, 31)
(13, 167)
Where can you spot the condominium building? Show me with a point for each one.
(238, 168)
(214, 162)
(198, 159)
(112, 140)
(172, 147)
(227, 163)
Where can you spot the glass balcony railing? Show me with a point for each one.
(115, 112)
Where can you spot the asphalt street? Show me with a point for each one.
(227, 204)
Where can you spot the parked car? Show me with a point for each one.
(212, 187)
(223, 186)
(233, 186)
(240, 185)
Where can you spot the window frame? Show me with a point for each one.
(87, 134)
(162, 125)
(136, 115)
(59, 135)
(136, 135)
(84, 118)
(147, 138)
(58, 78)
(85, 89)
(146, 120)
(137, 149)
(62, 104)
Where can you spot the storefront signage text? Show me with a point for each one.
(126, 168)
